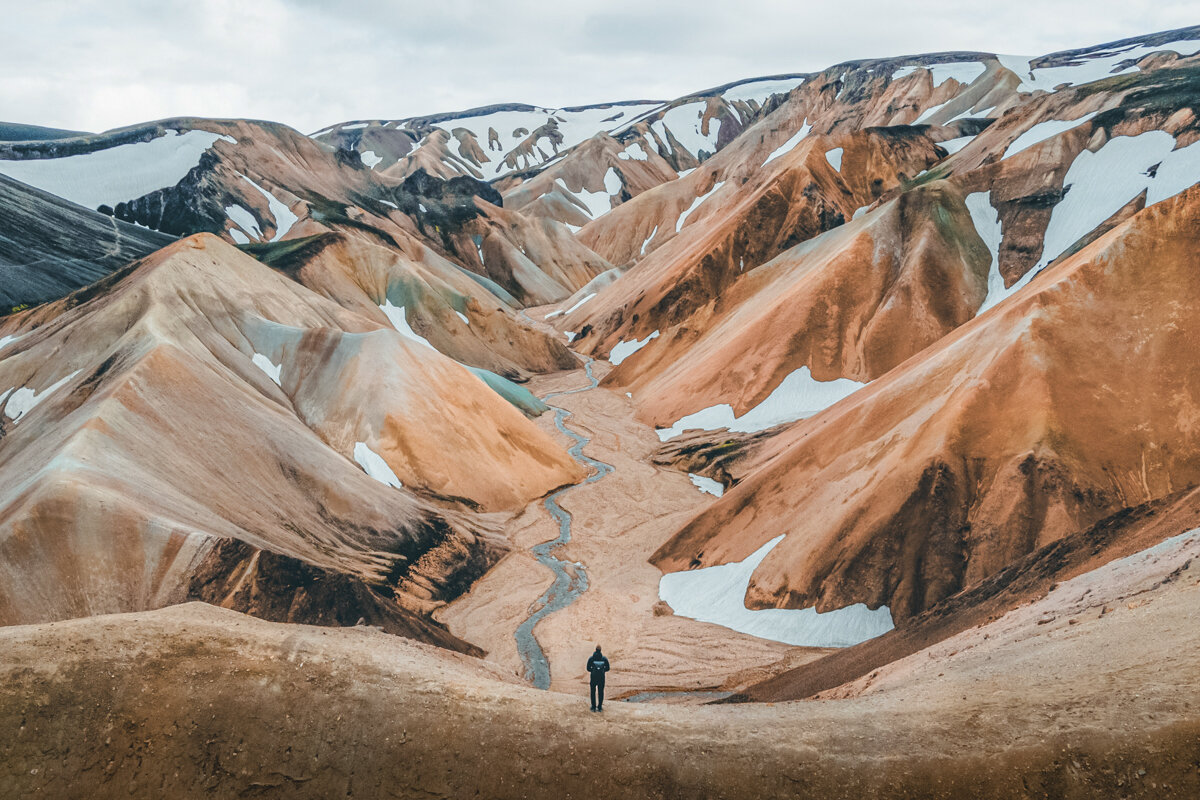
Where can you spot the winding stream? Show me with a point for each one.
(570, 578)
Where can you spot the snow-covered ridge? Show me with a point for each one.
(117, 174)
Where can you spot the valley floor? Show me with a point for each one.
(618, 522)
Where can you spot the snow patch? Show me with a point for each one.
(625, 348)
(396, 316)
(718, 595)
(355, 126)
(633, 151)
(965, 72)
(790, 144)
(759, 91)
(283, 216)
(1043, 131)
(463, 317)
(241, 216)
(707, 485)
(834, 157)
(370, 158)
(952, 146)
(23, 400)
(797, 397)
(696, 204)
(273, 370)
(987, 224)
(648, 239)
(374, 465)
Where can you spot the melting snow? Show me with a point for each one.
(987, 225)
(581, 302)
(242, 217)
(797, 397)
(284, 218)
(707, 485)
(696, 204)
(463, 317)
(790, 144)
(24, 400)
(273, 370)
(633, 151)
(1043, 131)
(625, 348)
(396, 316)
(952, 146)
(116, 174)
(718, 595)
(597, 203)
(834, 157)
(648, 238)
(374, 465)
(858, 212)
(370, 158)
(355, 126)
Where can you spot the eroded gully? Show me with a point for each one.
(570, 577)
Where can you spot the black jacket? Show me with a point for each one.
(597, 665)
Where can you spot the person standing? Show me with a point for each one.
(597, 665)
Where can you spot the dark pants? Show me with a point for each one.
(598, 692)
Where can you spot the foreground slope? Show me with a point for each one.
(229, 705)
(199, 425)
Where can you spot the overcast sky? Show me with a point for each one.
(309, 63)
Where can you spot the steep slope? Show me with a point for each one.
(200, 426)
(49, 247)
(1038, 173)
(258, 183)
(1023, 426)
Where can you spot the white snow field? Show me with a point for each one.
(396, 316)
(1091, 67)
(116, 174)
(627, 347)
(696, 204)
(23, 400)
(370, 158)
(790, 144)
(952, 146)
(797, 397)
(707, 485)
(634, 151)
(374, 465)
(759, 91)
(245, 220)
(965, 72)
(1043, 131)
(272, 369)
(718, 595)
(1099, 184)
(596, 203)
(684, 123)
(834, 157)
(987, 224)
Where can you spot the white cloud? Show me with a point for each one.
(97, 65)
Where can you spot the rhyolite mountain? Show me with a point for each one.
(930, 319)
